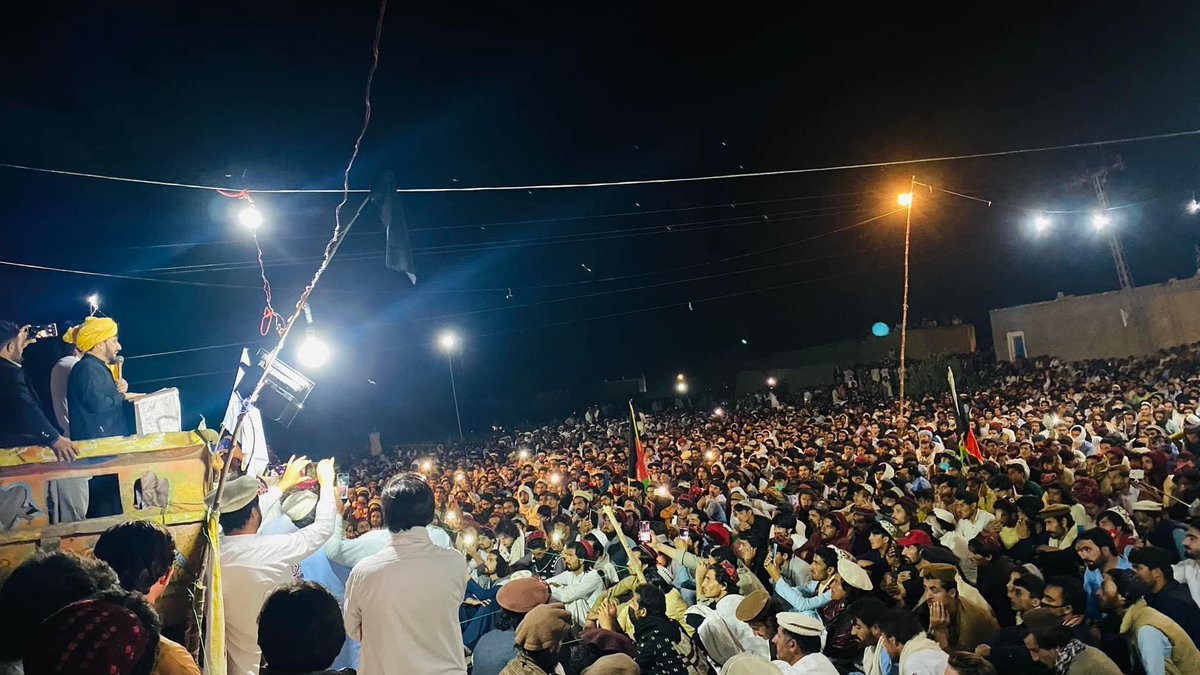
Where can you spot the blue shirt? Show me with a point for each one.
(1092, 581)
(1153, 650)
(803, 599)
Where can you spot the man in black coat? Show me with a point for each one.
(22, 421)
(95, 401)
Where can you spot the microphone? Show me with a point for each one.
(118, 367)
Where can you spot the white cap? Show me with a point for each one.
(800, 624)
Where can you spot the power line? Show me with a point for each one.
(623, 183)
(227, 371)
(549, 240)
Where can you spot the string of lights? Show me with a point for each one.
(345, 189)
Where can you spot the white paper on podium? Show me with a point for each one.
(158, 412)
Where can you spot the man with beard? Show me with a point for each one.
(956, 624)
(814, 595)
(579, 586)
(96, 402)
(1155, 640)
(1153, 566)
(1187, 572)
(1096, 549)
(798, 646)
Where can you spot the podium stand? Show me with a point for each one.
(158, 412)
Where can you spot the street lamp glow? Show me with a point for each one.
(448, 341)
(313, 352)
(1193, 207)
(905, 199)
(250, 217)
(771, 382)
(679, 377)
(1041, 223)
(93, 301)
(681, 387)
(1100, 221)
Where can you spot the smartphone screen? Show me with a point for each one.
(644, 535)
(343, 485)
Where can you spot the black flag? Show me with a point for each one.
(399, 253)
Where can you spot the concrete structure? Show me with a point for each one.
(814, 366)
(1137, 322)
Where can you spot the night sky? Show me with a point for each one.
(266, 95)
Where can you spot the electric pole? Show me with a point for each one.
(1098, 180)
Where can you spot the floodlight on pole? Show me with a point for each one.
(250, 217)
(905, 200)
(1100, 221)
(1041, 223)
(771, 382)
(313, 352)
(1193, 207)
(93, 302)
(448, 342)
(681, 387)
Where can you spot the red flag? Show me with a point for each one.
(638, 472)
(971, 446)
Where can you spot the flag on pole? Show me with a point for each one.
(638, 473)
(971, 446)
(968, 445)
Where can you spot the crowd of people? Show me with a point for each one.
(780, 534)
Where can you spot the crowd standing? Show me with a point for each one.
(805, 532)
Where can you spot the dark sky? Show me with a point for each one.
(270, 95)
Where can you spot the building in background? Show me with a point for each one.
(1139, 321)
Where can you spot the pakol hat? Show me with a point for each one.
(237, 494)
(800, 624)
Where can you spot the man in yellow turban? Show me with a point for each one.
(96, 403)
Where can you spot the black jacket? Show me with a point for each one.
(22, 421)
(97, 409)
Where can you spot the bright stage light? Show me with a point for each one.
(313, 352)
(679, 377)
(1193, 207)
(448, 341)
(681, 387)
(250, 218)
(905, 199)
(771, 382)
(1041, 224)
(1100, 221)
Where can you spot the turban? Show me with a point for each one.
(69, 336)
(93, 331)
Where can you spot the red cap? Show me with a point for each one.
(718, 533)
(915, 538)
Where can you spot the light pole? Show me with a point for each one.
(448, 341)
(906, 200)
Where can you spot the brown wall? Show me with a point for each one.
(1092, 326)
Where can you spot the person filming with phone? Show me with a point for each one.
(22, 421)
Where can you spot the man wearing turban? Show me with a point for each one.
(95, 402)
